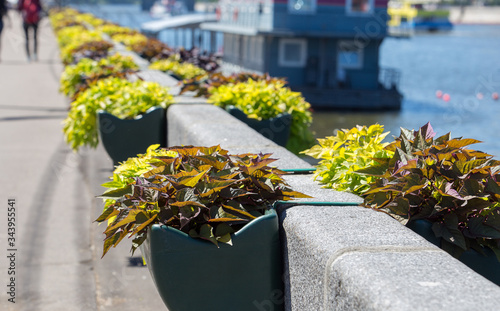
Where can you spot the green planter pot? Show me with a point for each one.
(276, 129)
(123, 139)
(192, 274)
(487, 266)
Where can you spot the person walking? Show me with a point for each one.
(30, 11)
(3, 12)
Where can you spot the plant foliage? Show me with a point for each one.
(204, 60)
(62, 18)
(89, 19)
(180, 70)
(79, 77)
(76, 35)
(201, 84)
(202, 191)
(119, 97)
(263, 100)
(94, 50)
(112, 29)
(440, 180)
(345, 153)
(130, 39)
(151, 48)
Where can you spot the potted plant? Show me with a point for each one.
(151, 49)
(442, 186)
(94, 50)
(209, 62)
(263, 100)
(78, 77)
(113, 29)
(180, 70)
(129, 39)
(62, 18)
(139, 117)
(200, 84)
(342, 155)
(276, 128)
(204, 222)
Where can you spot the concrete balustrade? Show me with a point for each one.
(336, 257)
(342, 257)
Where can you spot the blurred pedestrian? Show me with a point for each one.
(31, 13)
(3, 12)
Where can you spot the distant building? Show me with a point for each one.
(327, 49)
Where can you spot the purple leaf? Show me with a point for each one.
(427, 131)
(452, 192)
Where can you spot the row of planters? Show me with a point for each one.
(174, 195)
(436, 186)
(204, 219)
(264, 103)
(108, 100)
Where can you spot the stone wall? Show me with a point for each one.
(337, 255)
(342, 257)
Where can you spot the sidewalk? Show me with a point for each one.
(58, 263)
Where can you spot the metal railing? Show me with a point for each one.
(389, 77)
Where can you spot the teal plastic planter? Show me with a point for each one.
(192, 274)
(123, 139)
(487, 266)
(276, 129)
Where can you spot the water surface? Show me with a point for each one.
(461, 63)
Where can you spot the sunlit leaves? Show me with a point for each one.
(129, 38)
(151, 48)
(95, 50)
(263, 100)
(182, 70)
(78, 77)
(440, 180)
(201, 191)
(119, 97)
(347, 157)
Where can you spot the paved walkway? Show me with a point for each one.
(58, 248)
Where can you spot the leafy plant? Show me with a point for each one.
(151, 48)
(202, 191)
(112, 29)
(442, 181)
(201, 84)
(72, 38)
(89, 19)
(62, 18)
(204, 60)
(181, 70)
(130, 39)
(263, 100)
(345, 153)
(78, 77)
(125, 173)
(122, 98)
(94, 50)
(75, 35)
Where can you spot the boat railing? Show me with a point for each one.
(389, 77)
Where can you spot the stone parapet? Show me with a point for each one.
(342, 257)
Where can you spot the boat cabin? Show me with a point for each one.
(327, 49)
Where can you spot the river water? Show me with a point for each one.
(464, 63)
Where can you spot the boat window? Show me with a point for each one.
(301, 6)
(349, 55)
(292, 52)
(360, 6)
